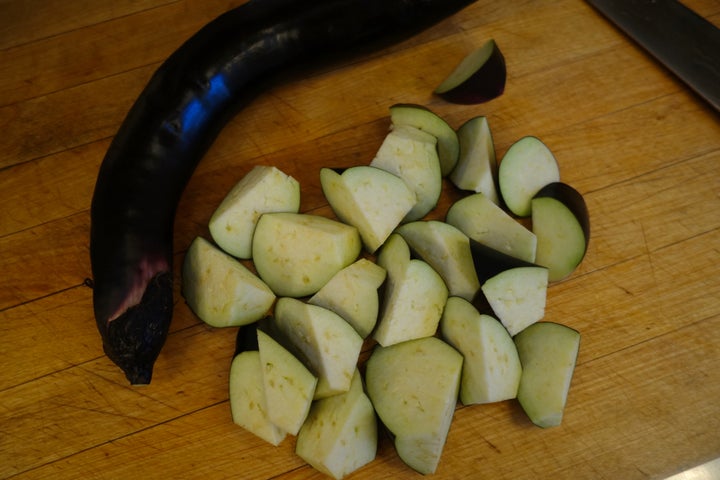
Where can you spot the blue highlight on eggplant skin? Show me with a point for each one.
(200, 108)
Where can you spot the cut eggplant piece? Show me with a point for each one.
(411, 154)
(288, 385)
(489, 262)
(491, 369)
(353, 294)
(371, 199)
(548, 353)
(485, 222)
(414, 388)
(476, 169)
(264, 189)
(417, 116)
(248, 406)
(517, 296)
(246, 339)
(528, 165)
(296, 254)
(415, 295)
(394, 257)
(220, 290)
(447, 250)
(331, 345)
(561, 222)
(479, 77)
(340, 434)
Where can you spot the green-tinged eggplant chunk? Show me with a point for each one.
(246, 339)
(174, 121)
(561, 222)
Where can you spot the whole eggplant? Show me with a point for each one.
(175, 120)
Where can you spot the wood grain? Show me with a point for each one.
(643, 150)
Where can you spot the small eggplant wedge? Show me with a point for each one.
(174, 121)
(480, 77)
(561, 222)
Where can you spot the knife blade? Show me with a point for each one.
(680, 39)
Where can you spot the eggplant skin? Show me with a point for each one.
(176, 118)
(140, 332)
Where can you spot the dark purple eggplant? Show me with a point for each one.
(175, 120)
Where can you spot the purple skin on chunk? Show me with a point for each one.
(490, 262)
(483, 85)
(573, 200)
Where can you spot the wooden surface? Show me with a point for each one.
(643, 150)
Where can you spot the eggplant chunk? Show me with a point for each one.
(561, 222)
(491, 366)
(548, 352)
(414, 387)
(528, 165)
(478, 78)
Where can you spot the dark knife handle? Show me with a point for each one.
(680, 39)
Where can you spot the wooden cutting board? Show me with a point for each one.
(643, 150)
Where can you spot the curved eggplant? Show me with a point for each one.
(173, 123)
